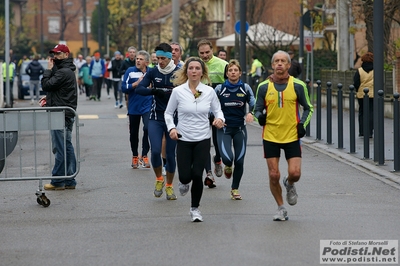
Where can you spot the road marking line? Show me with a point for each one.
(88, 117)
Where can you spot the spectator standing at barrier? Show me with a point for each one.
(34, 70)
(216, 69)
(59, 81)
(234, 95)
(161, 79)
(295, 67)
(193, 101)
(364, 78)
(138, 109)
(278, 112)
(114, 68)
(85, 77)
(97, 70)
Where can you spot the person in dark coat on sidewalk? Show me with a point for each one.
(34, 70)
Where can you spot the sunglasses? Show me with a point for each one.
(58, 52)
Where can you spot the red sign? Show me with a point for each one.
(307, 43)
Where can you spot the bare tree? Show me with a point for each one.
(363, 11)
(67, 16)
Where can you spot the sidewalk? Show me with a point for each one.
(383, 172)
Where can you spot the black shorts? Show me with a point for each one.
(273, 150)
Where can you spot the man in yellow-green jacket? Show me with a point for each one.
(255, 73)
(216, 69)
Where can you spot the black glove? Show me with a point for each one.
(262, 119)
(158, 93)
(211, 118)
(301, 131)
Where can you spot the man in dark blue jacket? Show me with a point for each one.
(160, 78)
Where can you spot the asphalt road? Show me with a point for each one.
(112, 218)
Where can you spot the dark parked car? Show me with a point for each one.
(23, 80)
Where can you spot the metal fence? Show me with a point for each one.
(378, 147)
(26, 151)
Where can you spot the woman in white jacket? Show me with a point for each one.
(193, 101)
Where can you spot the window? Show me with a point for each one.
(87, 25)
(54, 24)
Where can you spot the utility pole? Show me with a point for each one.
(41, 29)
(85, 44)
(342, 15)
(140, 25)
(175, 20)
(243, 64)
(237, 15)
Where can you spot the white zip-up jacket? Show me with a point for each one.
(193, 122)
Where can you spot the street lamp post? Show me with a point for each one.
(98, 25)
(41, 29)
(140, 25)
(85, 47)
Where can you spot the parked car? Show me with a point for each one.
(23, 80)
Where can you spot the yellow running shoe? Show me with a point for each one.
(170, 193)
(158, 191)
(235, 195)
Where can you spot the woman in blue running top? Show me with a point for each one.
(193, 101)
(233, 95)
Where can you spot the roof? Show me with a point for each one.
(261, 34)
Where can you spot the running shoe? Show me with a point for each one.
(217, 167)
(135, 162)
(228, 172)
(196, 215)
(235, 195)
(209, 180)
(183, 189)
(158, 191)
(291, 195)
(170, 195)
(144, 161)
(281, 215)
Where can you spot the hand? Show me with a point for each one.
(218, 123)
(173, 134)
(301, 132)
(42, 101)
(262, 120)
(158, 93)
(50, 62)
(249, 118)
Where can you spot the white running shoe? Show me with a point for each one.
(196, 215)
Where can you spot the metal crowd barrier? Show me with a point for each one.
(379, 151)
(26, 148)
